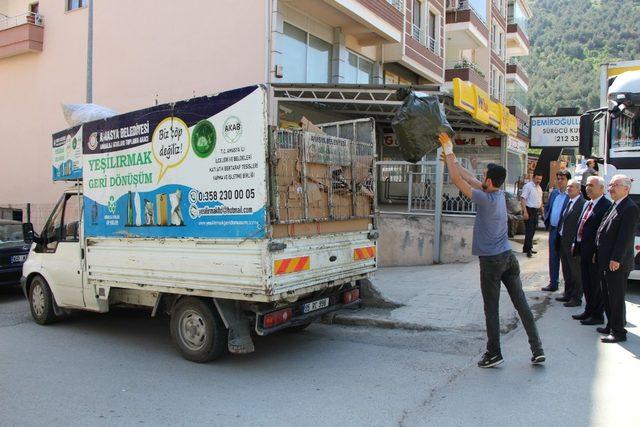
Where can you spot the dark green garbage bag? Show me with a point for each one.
(417, 124)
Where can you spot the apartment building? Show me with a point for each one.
(483, 40)
(326, 60)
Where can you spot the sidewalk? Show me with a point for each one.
(447, 297)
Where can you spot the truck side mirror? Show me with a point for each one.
(28, 234)
(586, 135)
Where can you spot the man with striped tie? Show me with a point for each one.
(585, 245)
(568, 227)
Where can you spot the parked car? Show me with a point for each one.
(13, 252)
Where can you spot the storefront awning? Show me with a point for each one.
(377, 101)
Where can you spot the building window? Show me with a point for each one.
(358, 70)
(76, 4)
(306, 58)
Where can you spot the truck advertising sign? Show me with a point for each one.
(555, 131)
(67, 154)
(195, 168)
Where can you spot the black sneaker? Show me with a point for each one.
(538, 357)
(490, 360)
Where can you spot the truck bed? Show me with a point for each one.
(234, 269)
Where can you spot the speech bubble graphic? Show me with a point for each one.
(170, 144)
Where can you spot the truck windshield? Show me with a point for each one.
(625, 134)
(10, 233)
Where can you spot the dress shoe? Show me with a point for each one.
(581, 316)
(550, 288)
(573, 303)
(613, 339)
(563, 299)
(533, 252)
(592, 321)
(604, 330)
(529, 254)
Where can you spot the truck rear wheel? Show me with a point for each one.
(41, 301)
(197, 330)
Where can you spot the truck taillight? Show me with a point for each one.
(276, 318)
(350, 296)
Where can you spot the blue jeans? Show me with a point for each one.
(554, 257)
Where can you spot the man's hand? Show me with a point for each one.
(614, 265)
(525, 215)
(445, 142)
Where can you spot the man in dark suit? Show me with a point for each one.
(567, 230)
(614, 254)
(585, 245)
(558, 200)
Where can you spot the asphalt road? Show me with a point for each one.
(121, 368)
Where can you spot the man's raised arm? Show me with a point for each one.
(452, 165)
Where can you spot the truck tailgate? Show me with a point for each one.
(225, 268)
(310, 261)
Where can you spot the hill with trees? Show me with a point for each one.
(569, 41)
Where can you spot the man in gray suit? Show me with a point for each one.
(568, 226)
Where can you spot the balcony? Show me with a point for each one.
(466, 26)
(467, 71)
(429, 42)
(516, 71)
(370, 21)
(21, 34)
(517, 40)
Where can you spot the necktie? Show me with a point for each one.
(564, 215)
(585, 216)
(607, 217)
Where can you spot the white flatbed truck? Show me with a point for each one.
(201, 210)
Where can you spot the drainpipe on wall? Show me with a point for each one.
(90, 55)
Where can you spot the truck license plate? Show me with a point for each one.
(315, 305)
(18, 258)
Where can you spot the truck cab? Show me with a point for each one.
(619, 144)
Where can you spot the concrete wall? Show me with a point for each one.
(145, 52)
(407, 240)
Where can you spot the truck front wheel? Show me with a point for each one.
(41, 301)
(197, 330)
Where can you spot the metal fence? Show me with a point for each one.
(414, 186)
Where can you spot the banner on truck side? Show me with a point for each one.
(67, 154)
(555, 131)
(196, 168)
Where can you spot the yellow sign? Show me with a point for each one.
(464, 95)
(616, 71)
(475, 101)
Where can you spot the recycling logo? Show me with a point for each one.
(112, 205)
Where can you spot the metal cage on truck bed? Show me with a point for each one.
(319, 177)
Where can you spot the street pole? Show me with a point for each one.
(437, 224)
(90, 55)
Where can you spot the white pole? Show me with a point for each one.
(90, 55)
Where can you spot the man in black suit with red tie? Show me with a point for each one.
(614, 254)
(585, 245)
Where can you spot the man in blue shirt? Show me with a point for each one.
(497, 261)
(552, 212)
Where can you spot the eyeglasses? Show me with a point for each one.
(615, 185)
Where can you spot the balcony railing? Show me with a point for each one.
(26, 18)
(462, 64)
(398, 4)
(430, 43)
(517, 104)
(466, 5)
